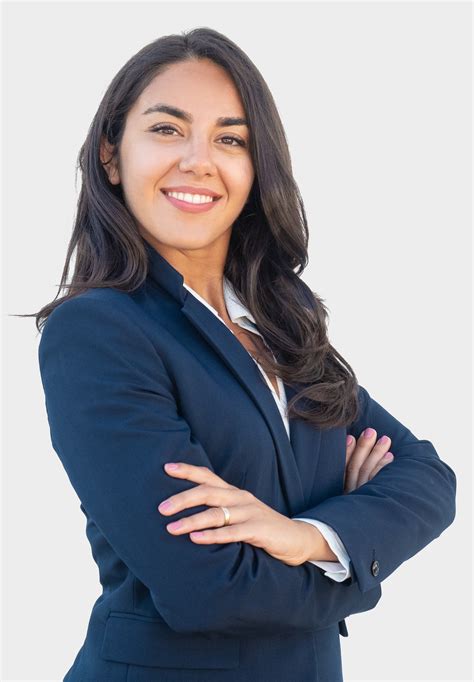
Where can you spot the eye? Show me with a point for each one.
(159, 128)
(240, 142)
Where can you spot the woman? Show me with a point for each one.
(188, 337)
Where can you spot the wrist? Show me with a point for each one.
(315, 545)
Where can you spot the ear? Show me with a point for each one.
(108, 161)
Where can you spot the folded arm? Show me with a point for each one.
(114, 422)
(399, 511)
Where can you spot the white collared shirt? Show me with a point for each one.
(240, 315)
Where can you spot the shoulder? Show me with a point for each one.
(95, 299)
(96, 340)
(101, 302)
(98, 314)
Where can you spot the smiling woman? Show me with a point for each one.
(174, 131)
(185, 328)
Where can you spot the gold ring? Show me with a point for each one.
(226, 515)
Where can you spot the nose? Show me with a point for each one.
(197, 156)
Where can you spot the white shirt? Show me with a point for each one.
(239, 314)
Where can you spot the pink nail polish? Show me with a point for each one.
(368, 433)
(175, 525)
(348, 440)
(171, 465)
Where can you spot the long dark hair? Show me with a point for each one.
(268, 249)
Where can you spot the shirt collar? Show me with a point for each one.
(235, 309)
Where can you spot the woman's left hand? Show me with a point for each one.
(251, 520)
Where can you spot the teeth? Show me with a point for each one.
(191, 198)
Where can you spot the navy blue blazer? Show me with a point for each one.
(134, 380)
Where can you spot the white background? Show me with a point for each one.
(376, 102)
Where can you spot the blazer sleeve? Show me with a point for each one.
(114, 421)
(409, 502)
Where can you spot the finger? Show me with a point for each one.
(236, 532)
(378, 451)
(386, 459)
(195, 473)
(350, 447)
(211, 518)
(364, 445)
(204, 494)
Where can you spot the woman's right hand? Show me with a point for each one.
(365, 458)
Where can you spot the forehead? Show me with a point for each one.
(202, 88)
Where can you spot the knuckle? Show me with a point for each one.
(247, 496)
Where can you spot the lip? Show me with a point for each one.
(190, 208)
(192, 190)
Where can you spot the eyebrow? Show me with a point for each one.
(223, 121)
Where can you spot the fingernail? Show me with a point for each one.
(348, 440)
(384, 440)
(388, 455)
(175, 525)
(165, 505)
(368, 433)
(171, 465)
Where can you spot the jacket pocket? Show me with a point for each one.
(142, 640)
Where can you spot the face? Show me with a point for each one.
(161, 149)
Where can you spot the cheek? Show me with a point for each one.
(144, 166)
(240, 179)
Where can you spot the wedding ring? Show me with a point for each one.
(226, 515)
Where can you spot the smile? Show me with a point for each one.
(190, 206)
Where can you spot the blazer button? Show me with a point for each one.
(375, 568)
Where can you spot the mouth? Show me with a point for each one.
(163, 191)
(190, 206)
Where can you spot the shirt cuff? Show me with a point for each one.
(337, 570)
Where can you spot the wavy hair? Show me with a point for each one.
(268, 248)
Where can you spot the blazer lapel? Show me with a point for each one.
(297, 455)
(306, 446)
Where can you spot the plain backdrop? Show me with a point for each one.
(376, 102)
